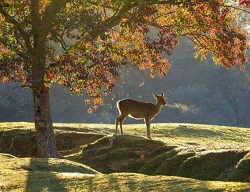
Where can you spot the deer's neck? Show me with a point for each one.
(158, 106)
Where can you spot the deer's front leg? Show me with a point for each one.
(121, 128)
(147, 121)
(116, 125)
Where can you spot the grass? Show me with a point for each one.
(27, 174)
(190, 135)
(32, 174)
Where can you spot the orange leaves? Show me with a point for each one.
(212, 26)
(95, 101)
(231, 51)
(208, 20)
(87, 101)
(11, 71)
(88, 67)
(98, 38)
(43, 5)
(228, 46)
(91, 65)
(5, 79)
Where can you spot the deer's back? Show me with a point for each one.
(137, 109)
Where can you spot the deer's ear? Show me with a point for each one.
(162, 94)
(155, 96)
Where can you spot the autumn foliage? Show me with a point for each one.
(86, 42)
(244, 3)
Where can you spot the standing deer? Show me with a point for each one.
(139, 110)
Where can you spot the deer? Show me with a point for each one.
(139, 110)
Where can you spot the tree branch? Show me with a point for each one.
(50, 13)
(60, 39)
(4, 4)
(14, 22)
(237, 8)
(27, 86)
(116, 18)
(17, 26)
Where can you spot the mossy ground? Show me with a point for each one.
(27, 174)
(174, 150)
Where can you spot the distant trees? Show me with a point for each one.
(234, 88)
(213, 94)
(15, 103)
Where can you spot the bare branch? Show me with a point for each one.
(60, 39)
(27, 86)
(237, 8)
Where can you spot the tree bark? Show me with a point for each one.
(45, 137)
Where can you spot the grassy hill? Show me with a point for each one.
(181, 157)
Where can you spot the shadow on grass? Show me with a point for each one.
(41, 177)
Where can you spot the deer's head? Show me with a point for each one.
(160, 99)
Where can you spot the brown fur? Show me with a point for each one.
(139, 110)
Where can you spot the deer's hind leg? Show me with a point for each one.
(119, 120)
(147, 121)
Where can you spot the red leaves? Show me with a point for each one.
(91, 64)
(244, 3)
(13, 70)
(230, 48)
(87, 67)
(212, 26)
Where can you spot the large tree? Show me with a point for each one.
(83, 43)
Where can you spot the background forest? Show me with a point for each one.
(196, 91)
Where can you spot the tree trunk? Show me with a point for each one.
(45, 137)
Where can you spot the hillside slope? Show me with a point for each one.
(204, 152)
(17, 174)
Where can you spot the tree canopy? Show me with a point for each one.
(96, 38)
